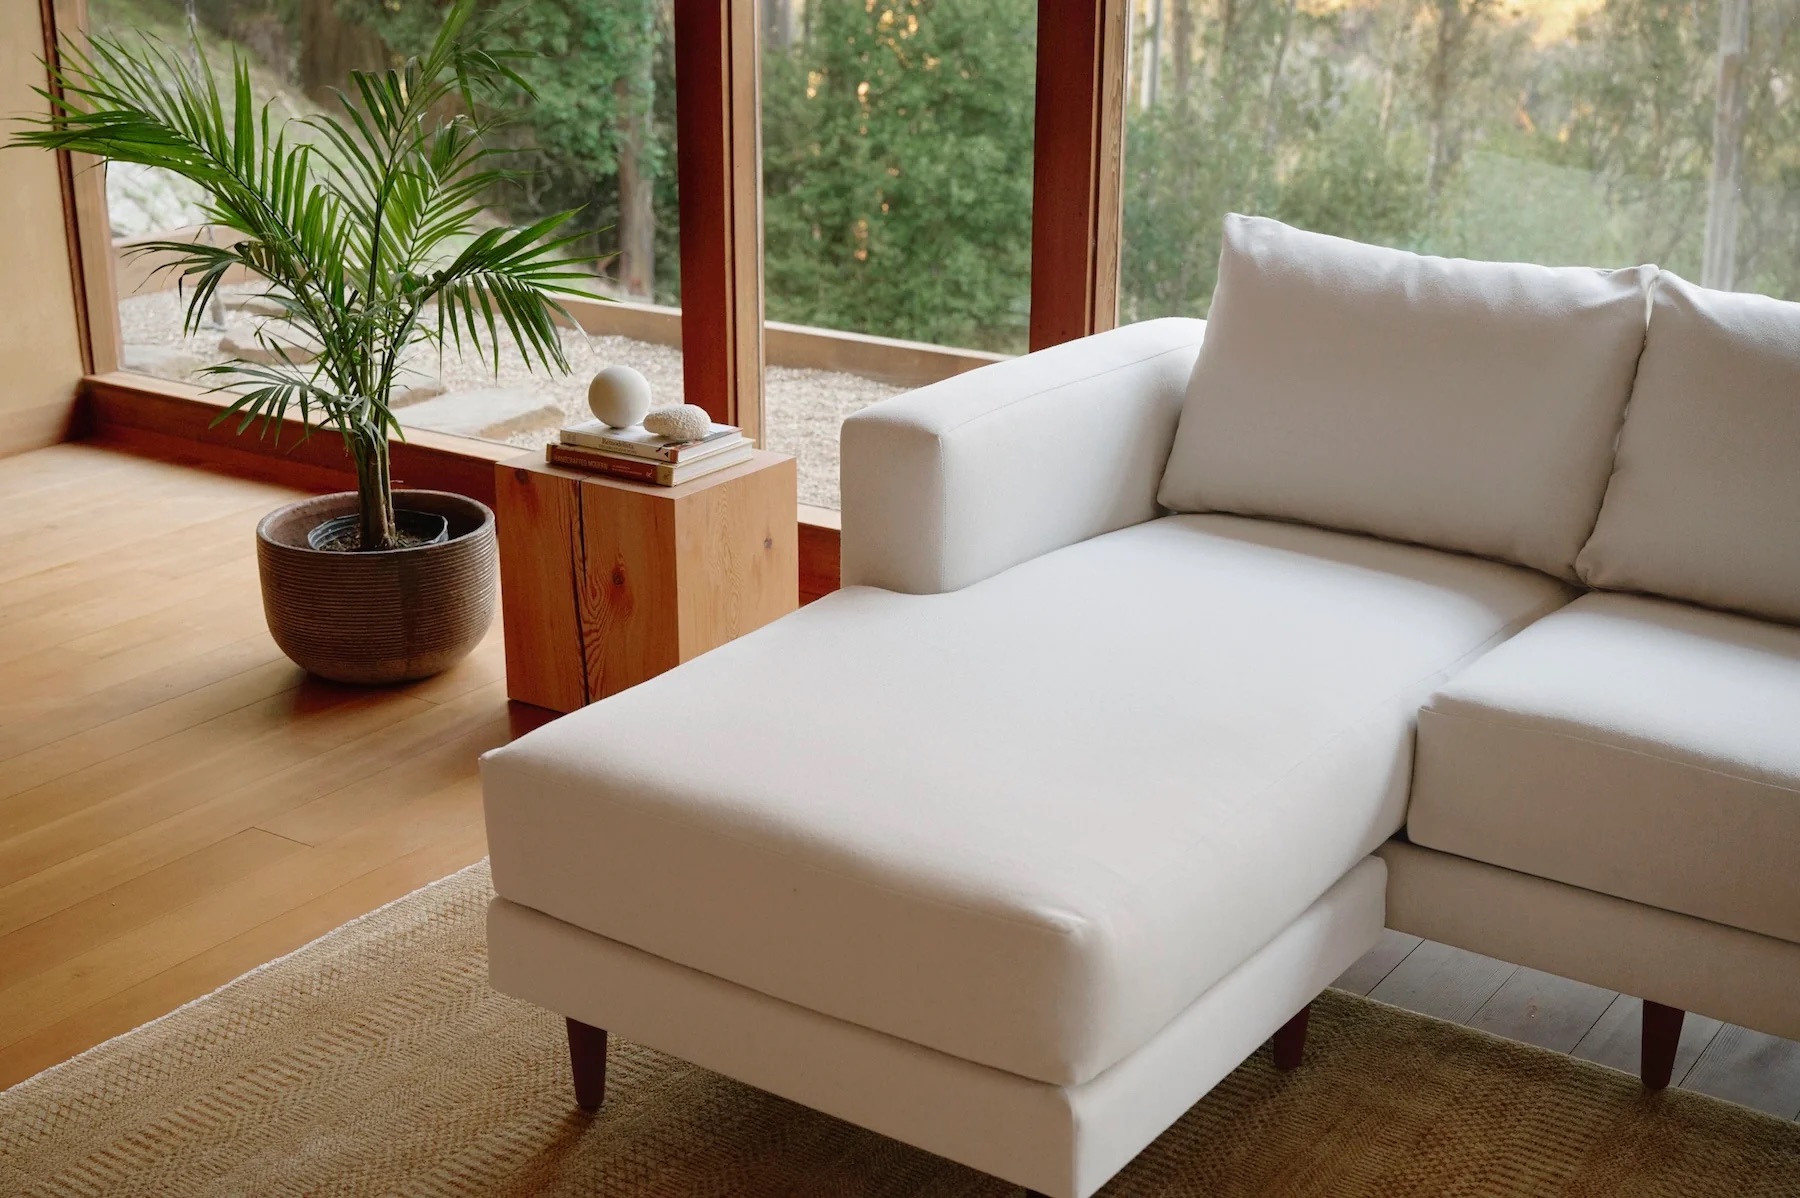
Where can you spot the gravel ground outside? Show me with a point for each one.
(803, 408)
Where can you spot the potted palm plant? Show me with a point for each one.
(366, 229)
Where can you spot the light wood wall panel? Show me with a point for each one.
(40, 335)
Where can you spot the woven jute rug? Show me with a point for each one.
(377, 1061)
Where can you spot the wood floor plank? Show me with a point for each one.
(171, 555)
(66, 673)
(1543, 1009)
(131, 706)
(1378, 962)
(65, 620)
(1614, 1039)
(338, 814)
(85, 926)
(371, 761)
(34, 1002)
(1441, 981)
(81, 1029)
(147, 726)
(60, 819)
(1749, 1068)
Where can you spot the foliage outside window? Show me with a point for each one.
(1600, 132)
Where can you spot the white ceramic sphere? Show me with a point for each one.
(683, 422)
(619, 396)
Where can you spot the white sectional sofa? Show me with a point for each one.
(1169, 665)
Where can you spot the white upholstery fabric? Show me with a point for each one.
(1024, 823)
(1061, 1141)
(951, 483)
(1467, 405)
(1704, 502)
(1646, 952)
(1632, 746)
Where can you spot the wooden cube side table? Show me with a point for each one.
(605, 583)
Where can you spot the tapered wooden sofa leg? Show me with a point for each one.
(587, 1055)
(1662, 1036)
(1290, 1041)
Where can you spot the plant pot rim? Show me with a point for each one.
(267, 527)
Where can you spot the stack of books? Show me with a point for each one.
(643, 457)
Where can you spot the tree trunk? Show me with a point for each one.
(374, 489)
(1272, 101)
(1453, 24)
(330, 48)
(1181, 48)
(778, 25)
(1718, 259)
(1150, 80)
(637, 210)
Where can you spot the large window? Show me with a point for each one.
(897, 171)
(599, 136)
(1595, 132)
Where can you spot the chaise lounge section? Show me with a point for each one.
(1098, 769)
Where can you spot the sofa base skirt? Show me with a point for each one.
(1677, 960)
(1064, 1141)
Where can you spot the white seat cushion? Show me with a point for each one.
(1025, 823)
(1636, 747)
(1704, 502)
(1467, 405)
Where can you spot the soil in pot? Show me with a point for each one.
(343, 534)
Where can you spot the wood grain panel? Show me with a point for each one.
(742, 540)
(40, 339)
(629, 590)
(538, 517)
(658, 574)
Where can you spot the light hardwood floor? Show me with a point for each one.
(179, 804)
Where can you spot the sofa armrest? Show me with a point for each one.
(954, 482)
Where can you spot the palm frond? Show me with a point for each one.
(357, 229)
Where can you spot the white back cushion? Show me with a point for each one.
(1471, 406)
(1704, 502)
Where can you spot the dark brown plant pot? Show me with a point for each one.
(386, 616)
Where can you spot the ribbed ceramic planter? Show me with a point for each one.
(380, 617)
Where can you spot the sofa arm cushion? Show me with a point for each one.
(952, 483)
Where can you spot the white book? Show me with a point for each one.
(637, 442)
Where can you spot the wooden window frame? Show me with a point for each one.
(718, 156)
(1077, 159)
(1077, 168)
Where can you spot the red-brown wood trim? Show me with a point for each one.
(174, 421)
(719, 178)
(818, 561)
(1076, 174)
